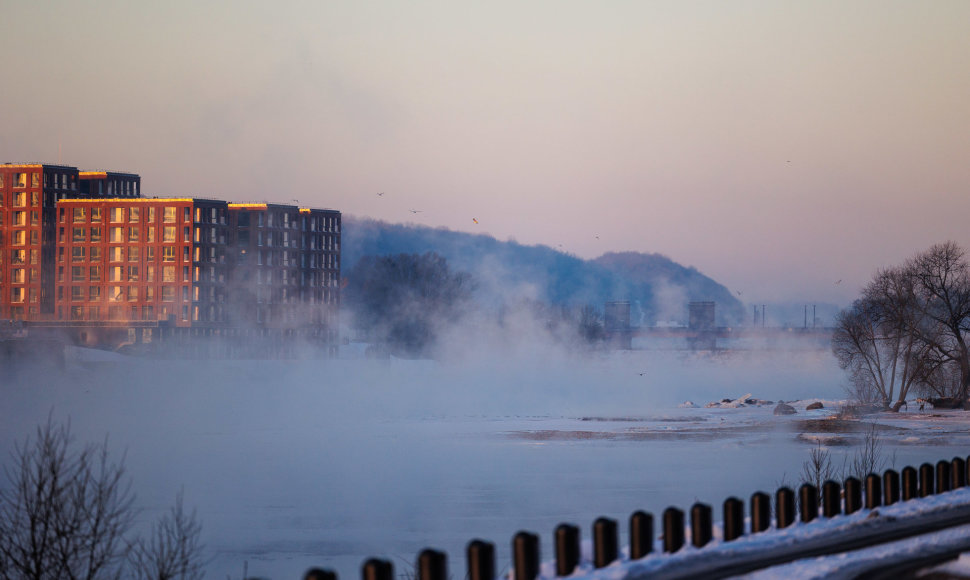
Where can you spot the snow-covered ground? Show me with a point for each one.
(300, 463)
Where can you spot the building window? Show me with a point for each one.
(116, 235)
(77, 313)
(168, 215)
(186, 234)
(150, 254)
(77, 254)
(116, 215)
(134, 214)
(94, 273)
(132, 273)
(18, 238)
(77, 235)
(168, 273)
(95, 235)
(133, 294)
(18, 256)
(150, 232)
(185, 274)
(19, 218)
(94, 293)
(20, 180)
(147, 313)
(95, 254)
(77, 294)
(133, 253)
(186, 214)
(17, 275)
(16, 295)
(150, 273)
(168, 235)
(168, 294)
(116, 254)
(168, 253)
(116, 293)
(133, 235)
(115, 274)
(150, 218)
(78, 215)
(150, 294)
(96, 215)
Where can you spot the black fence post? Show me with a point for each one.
(701, 524)
(733, 519)
(673, 529)
(873, 491)
(890, 482)
(319, 574)
(910, 483)
(567, 549)
(375, 569)
(760, 512)
(525, 556)
(853, 495)
(480, 556)
(926, 480)
(432, 565)
(641, 534)
(785, 507)
(943, 476)
(605, 542)
(808, 502)
(958, 469)
(831, 499)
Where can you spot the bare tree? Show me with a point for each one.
(870, 457)
(941, 287)
(64, 512)
(172, 551)
(872, 341)
(818, 469)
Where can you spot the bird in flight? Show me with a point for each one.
(380, 194)
(739, 292)
(415, 210)
(839, 281)
(475, 220)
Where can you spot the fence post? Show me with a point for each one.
(319, 574)
(605, 542)
(641, 534)
(673, 529)
(785, 507)
(831, 500)
(701, 524)
(733, 518)
(910, 483)
(958, 469)
(760, 512)
(808, 502)
(525, 556)
(432, 565)
(375, 569)
(567, 549)
(873, 491)
(943, 476)
(890, 481)
(480, 556)
(925, 480)
(853, 495)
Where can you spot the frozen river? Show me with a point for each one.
(294, 464)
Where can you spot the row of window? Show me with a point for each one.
(121, 235)
(19, 218)
(56, 180)
(117, 215)
(124, 253)
(133, 313)
(20, 198)
(122, 293)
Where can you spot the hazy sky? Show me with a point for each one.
(777, 146)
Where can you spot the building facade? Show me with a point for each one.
(84, 252)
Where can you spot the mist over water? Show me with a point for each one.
(299, 463)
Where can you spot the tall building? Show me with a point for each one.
(81, 252)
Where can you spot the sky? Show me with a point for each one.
(778, 147)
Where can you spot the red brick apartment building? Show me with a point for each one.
(84, 253)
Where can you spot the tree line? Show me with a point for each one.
(908, 332)
(405, 302)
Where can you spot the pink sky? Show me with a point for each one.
(776, 146)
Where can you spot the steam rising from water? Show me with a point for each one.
(293, 463)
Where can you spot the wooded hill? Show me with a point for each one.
(659, 288)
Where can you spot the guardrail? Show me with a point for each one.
(833, 499)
